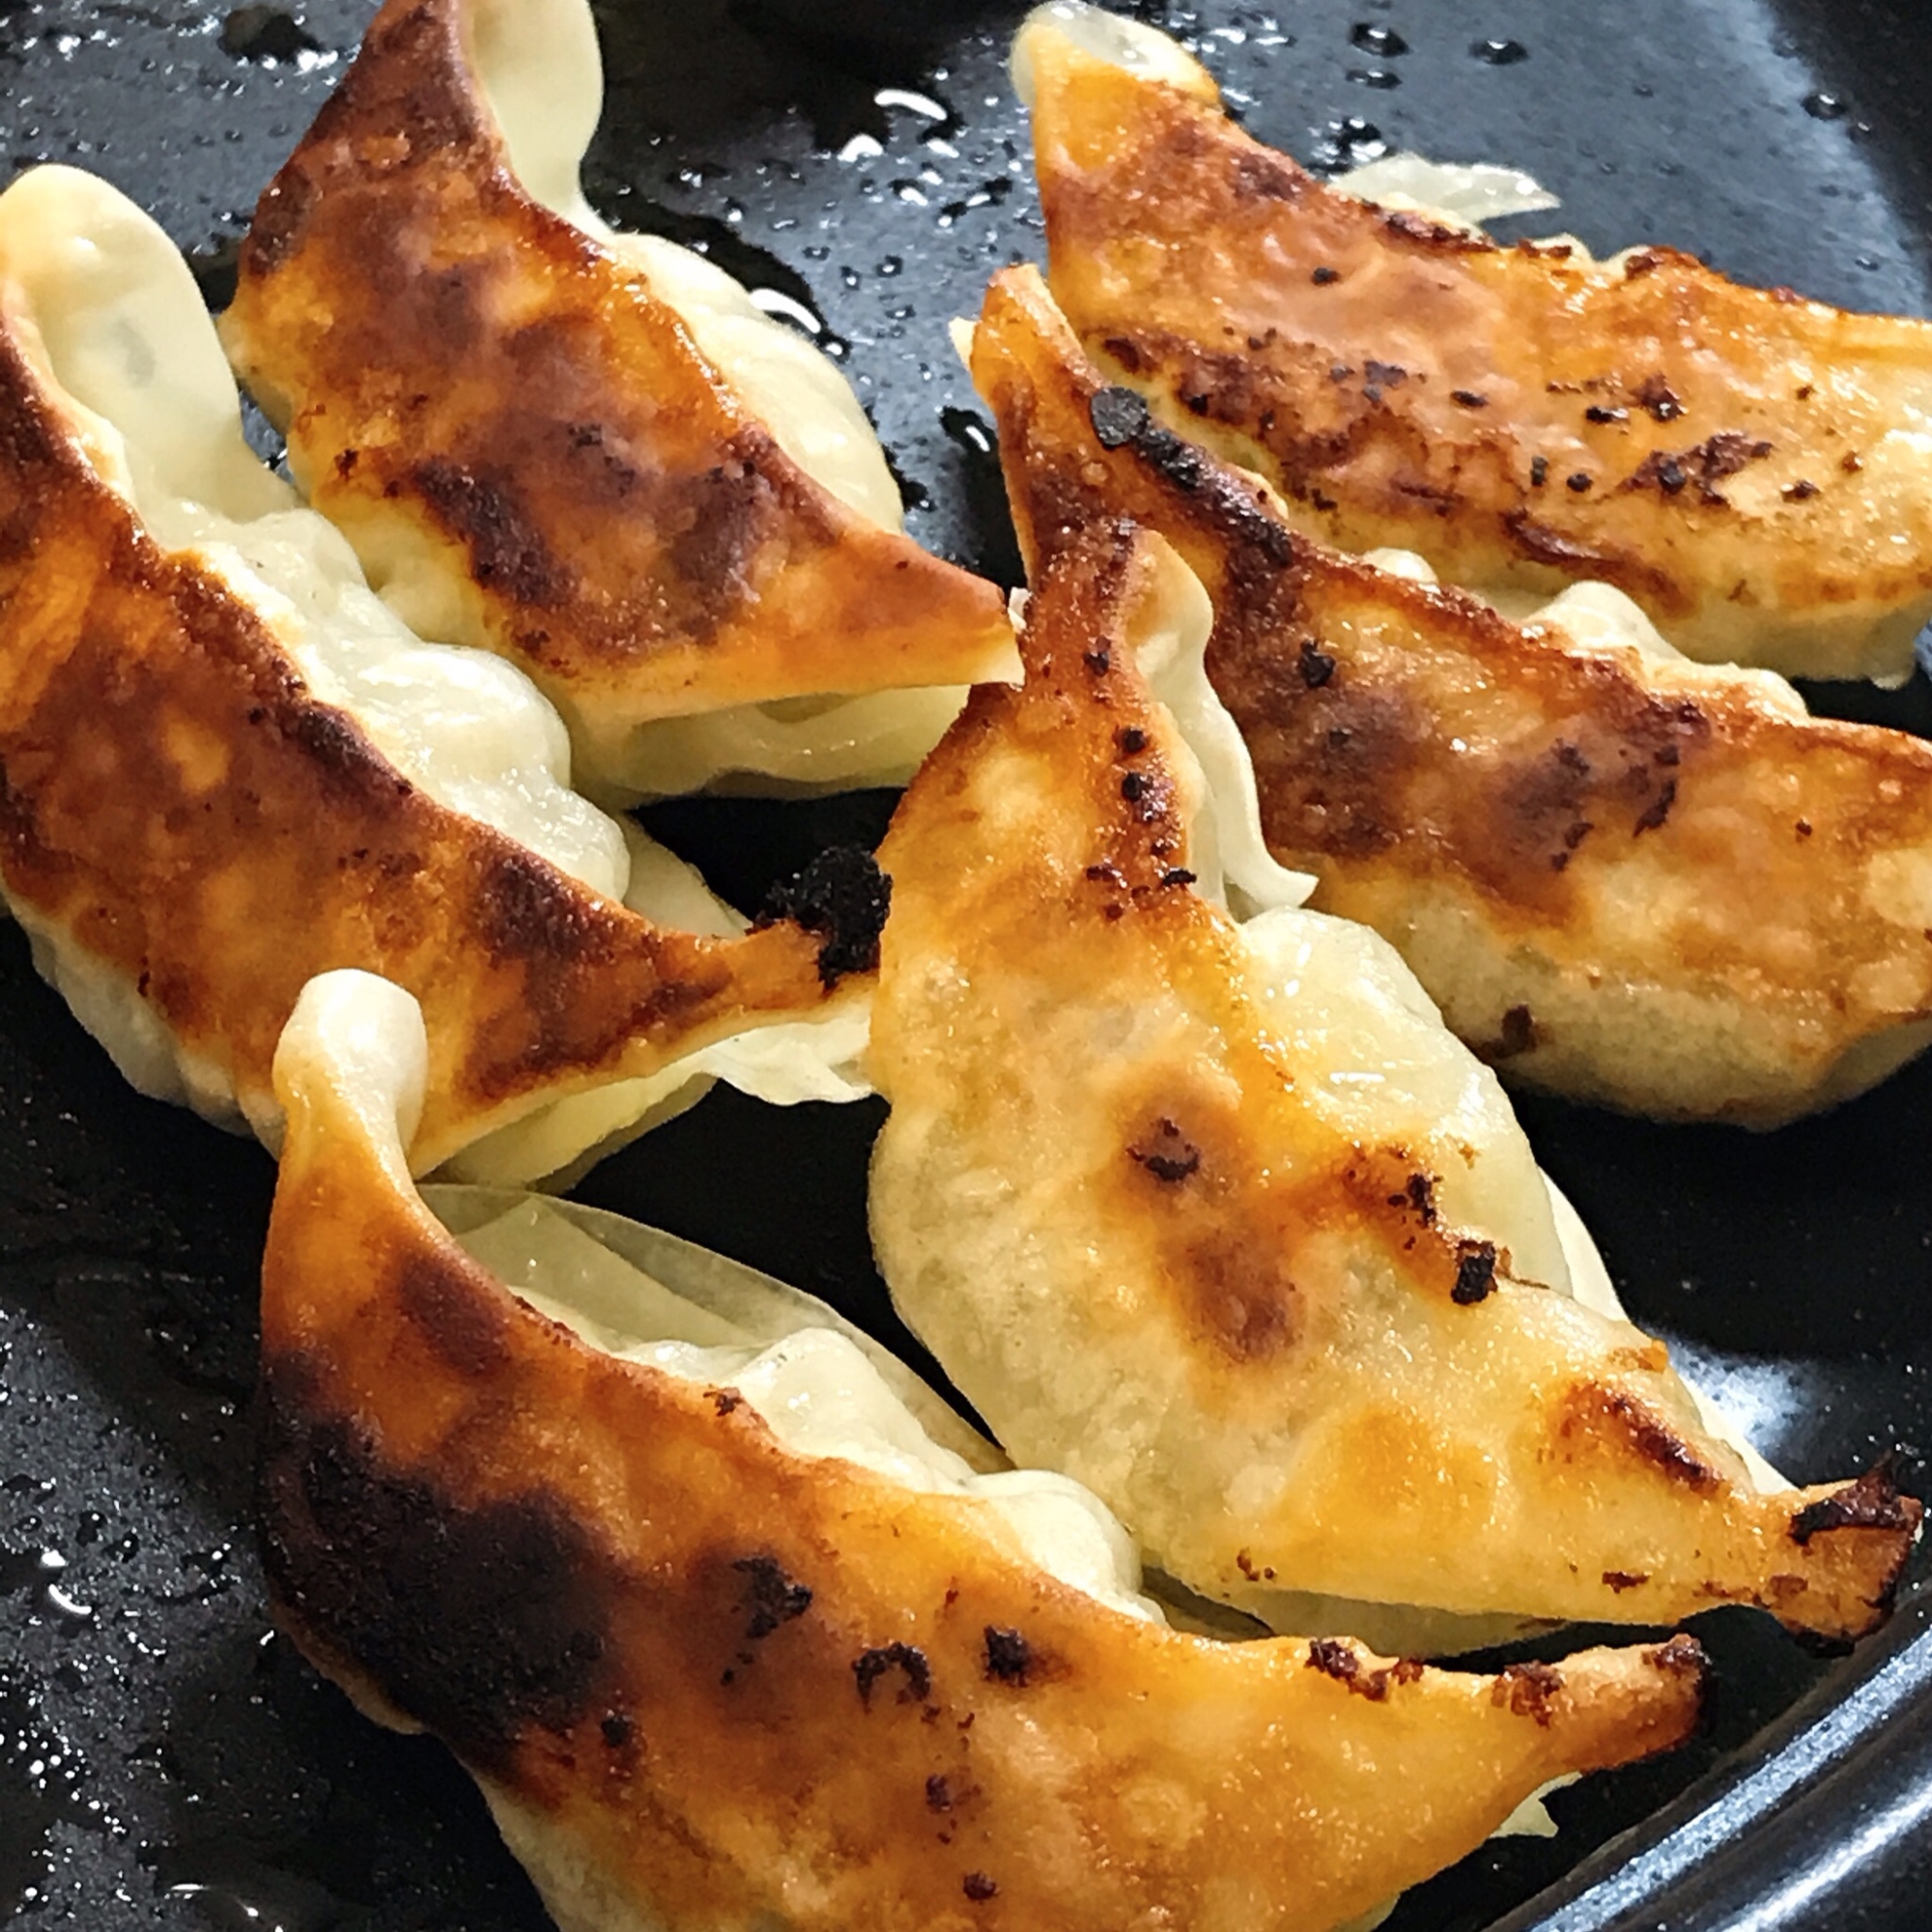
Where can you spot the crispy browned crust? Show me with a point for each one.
(1621, 879)
(470, 377)
(1519, 416)
(1182, 1219)
(175, 801)
(739, 1681)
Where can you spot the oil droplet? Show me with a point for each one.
(1385, 42)
(1826, 106)
(1375, 77)
(1346, 143)
(1500, 53)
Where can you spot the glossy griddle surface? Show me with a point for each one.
(164, 1759)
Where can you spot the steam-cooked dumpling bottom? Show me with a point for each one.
(732, 1642)
(1750, 468)
(228, 766)
(1222, 1221)
(1623, 877)
(591, 454)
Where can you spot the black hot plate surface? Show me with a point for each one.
(165, 1760)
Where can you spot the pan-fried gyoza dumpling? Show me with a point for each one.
(225, 765)
(1623, 877)
(590, 453)
(732, 1637)
(1743, 464)
(1222, 1221)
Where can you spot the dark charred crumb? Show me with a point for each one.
(1578, 480)
(1680, 1656)
(843, 895)
(345, 461)
(1118, 416)
(1173, 1157)
(1799, 491)
(938, 1792)
(1559, 861)
(1539, 471)
(1133, 787)
(1528, 1690)
(1571, 758)
(1323, 277)
(1321, 499)
(1475, 1273)
(771, 1597)
(725, 1401)
(1706, 463)
(1661, 401)
(1112, 913)
(1315, 665)
(1652, 815)
(1008, 1656)
(1132, 740)
(1387, 375)
(870, 1665)
(978, 1886)
(1372, 392)
(1575, 835)
(1107, 874)
(1802, 828)
(1620, 1581)
(1597, 413)
(618, 1729)
(1851, 462)
(1098, 661)
(1176, 876)
(1420, 1195)
(1805, 392)
(1335, 1658)
(1516, 1036)
(1339, 372)
(266, 34)
(1667, 755)
(1470, 399)
(1872, 1502)
(1639, 262)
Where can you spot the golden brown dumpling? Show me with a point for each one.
(725, 1665)
(226, 766)
(1741, 461)
(1222, 1221)
(1623, 877)
(531, 431)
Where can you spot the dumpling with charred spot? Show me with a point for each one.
(1625, 877)
(591, 453)
(1750, 468)
(1223, 1222)
(737, 1625)
(228, 766)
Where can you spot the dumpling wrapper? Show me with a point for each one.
(1750, 468)
(1222, 1221)
(708, 1676)
(587, 452)
(226, 766)
(1623, 877)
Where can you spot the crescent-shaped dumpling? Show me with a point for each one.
(1749, 466)
(541, 438)
(225, 766)
(718, 1666)
(1222, 1221)
(1623, 877)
